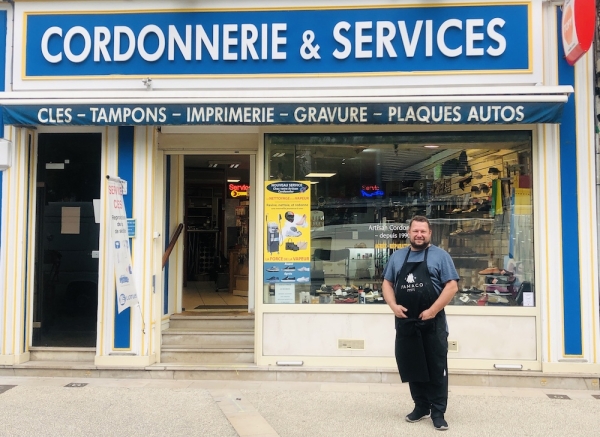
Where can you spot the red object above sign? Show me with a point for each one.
(578, 25)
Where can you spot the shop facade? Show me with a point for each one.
(352, 117)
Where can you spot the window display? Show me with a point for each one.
(475, 188)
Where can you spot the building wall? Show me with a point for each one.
(561, 332)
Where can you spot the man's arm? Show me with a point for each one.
(390, 299)
(443, 299)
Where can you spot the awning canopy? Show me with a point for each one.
(501, 105)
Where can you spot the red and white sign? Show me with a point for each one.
(119, 243)
(578, 25)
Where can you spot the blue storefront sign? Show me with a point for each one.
(363, 40)
(285, 114)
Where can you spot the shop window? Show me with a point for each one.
(330, 243)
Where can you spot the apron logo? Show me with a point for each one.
(411, 283)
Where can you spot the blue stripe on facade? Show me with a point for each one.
(2, 79)
(167, 233)
(125, 165)
(570, 224)
(3, 30)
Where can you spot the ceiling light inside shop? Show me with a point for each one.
(234, 165)
(320, 175)
(314, 182)
(278, 154)
(213, 164)
(233, 180)
(431, 146)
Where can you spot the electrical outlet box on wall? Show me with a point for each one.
(351, 344)
(5, 154)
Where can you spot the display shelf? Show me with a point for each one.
(238, 256)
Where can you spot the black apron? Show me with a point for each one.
(421, 345)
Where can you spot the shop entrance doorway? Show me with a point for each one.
(65, 300)
(216, 232)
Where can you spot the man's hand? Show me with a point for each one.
(443, 299)
(400, 311)
(427, 314)
(388, 294)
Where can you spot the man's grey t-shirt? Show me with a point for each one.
(439, 263)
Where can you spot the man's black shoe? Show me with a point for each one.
(417, 415)
(439, 423)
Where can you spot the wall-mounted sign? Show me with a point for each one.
(131, 227)
(392, 39)
(285, 114)
(578, 27)
(371, 191)
(237, 190)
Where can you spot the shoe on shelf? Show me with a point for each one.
(417, 415)
(439, 423)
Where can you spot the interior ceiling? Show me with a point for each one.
(395, 162)
(201, 162)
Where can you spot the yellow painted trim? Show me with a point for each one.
(559, 216)
(179, 191)
(18, 320)
(281, 8)
(147, 257)
(103, 286)
(286, 75)
(291, 8)
(23, 46)
(530, 37)
(590, 146)
(151, 177)
(547, 239)
(6, 244)
(32, 233)
(18, 227)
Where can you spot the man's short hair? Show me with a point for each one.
(421, 219)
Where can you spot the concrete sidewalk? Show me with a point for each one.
(147, 408)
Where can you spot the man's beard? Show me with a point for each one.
(419, 246)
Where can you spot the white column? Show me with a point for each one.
(18, 194)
